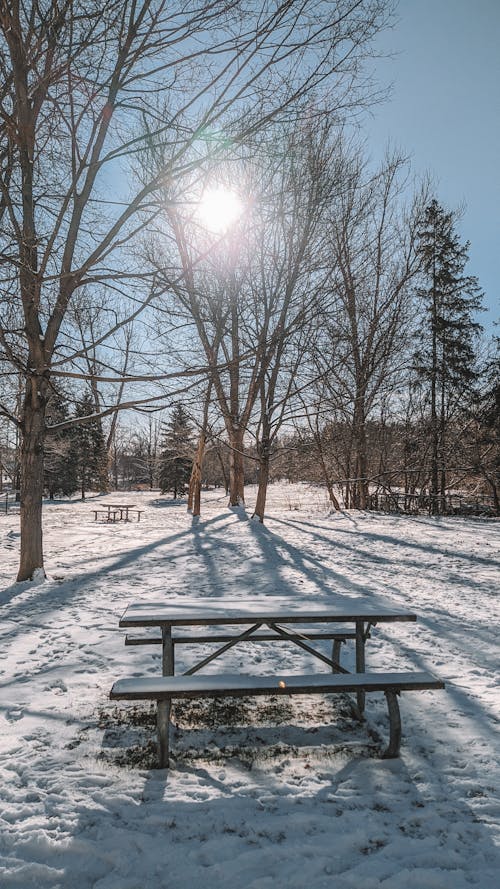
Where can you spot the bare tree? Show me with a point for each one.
(373, 263)
(83, 82)
(291, 280)
(251, 299)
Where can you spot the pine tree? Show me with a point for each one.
(176, 455)
(60, 471)
(89, 449)
(486, 413)
(445, 360)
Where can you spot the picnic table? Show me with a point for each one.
(116, 512)
(270, 620)
(279, 615)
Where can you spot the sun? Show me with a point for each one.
(219, 208)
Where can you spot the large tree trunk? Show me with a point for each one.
(260, 504)
(359, 430)
(31, 557)
(194, 494)
(264, 461)
(236, 469)
(361, 474)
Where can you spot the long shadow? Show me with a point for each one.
(399, 542)
(387, 800)
(437, 621)
(460, 700)
(52, 715)
(131, 556)
(51, 596)
(313, 568)
(179, 816)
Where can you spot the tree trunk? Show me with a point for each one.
(31, 556)
(434, 487)
(361, 474)
(496, 498)
(260, 504)
(347, 491)
(359, 433)
(326, 475)
(222, 469)
(194, 494)
(236, 469)
(442, 437)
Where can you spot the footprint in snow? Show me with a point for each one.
(58, 686)
(14, 715)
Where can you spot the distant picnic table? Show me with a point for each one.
(116, 512)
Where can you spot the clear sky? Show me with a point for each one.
(444, 112)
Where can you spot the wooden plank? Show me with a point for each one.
(226, 637)
(213, 611)
(236, 685)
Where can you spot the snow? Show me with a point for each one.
(281, 792)
(267, 608)
(236, 682)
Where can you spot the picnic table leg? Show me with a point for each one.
(164, 707)
(336, 652)
(395, 725)
(360, 662)
(163, 725)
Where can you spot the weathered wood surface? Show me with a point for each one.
(237, 685)
(213, 611)
(226, 637)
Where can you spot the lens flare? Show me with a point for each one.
(219, 209)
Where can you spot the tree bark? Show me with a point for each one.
(194, 493)
(31, 556)
(260, 504)
(236, 469)
(434, 487)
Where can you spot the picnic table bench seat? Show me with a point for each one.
(164, 689)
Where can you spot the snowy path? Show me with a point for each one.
(296, 799)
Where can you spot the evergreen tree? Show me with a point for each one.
(445, 360)
(176, 454)
(486, 414)
(60, 471)
(89, 449)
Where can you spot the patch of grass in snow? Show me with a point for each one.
(249, 729)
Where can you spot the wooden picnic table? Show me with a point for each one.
(278, 615)
(265, 619)
(116, 512)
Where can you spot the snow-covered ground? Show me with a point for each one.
(287, 792)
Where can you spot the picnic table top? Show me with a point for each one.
(218, 610)
(118, 505)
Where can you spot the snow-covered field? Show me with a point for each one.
(288, 792)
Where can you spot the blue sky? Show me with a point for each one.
(444, 111)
